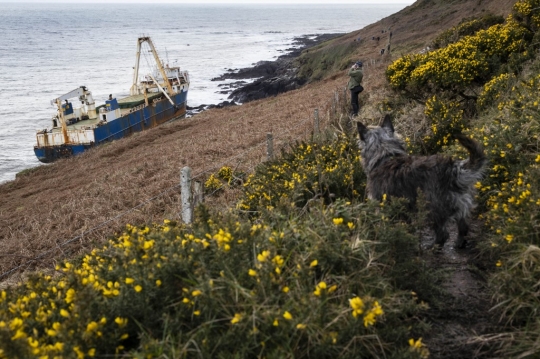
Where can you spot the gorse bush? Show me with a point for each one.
(330, 275)
(466, 28)
(528, 12)
(511, 197)
(460, 65)
(446, 119)
(315, 170)
(500, 63)
(225, 176)
(510, 136)
(274, 289)
(494, 89)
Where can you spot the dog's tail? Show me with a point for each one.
(477, 158)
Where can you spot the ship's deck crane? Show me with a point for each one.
(80, 92)
(134, 88)
(84, 96)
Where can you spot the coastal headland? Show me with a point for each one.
(265, 78)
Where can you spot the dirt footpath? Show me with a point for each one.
(462, 310)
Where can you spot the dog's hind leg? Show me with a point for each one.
(441, 234)
(463, 230)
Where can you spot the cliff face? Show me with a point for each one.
(51, 204)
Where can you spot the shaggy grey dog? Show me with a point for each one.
(447, 184)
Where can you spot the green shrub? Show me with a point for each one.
(279, 288)
(503, 60)
(446, 119)
(494, 89)
(460, 65)
(310, 171)
(224, 176)
(319, 270)
(528, 12)
(467, 27)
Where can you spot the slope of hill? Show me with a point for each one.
(412, 30)
(49, 205)
(303, 264)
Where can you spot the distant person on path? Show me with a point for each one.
(355, 79)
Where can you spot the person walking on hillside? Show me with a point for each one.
(356, 75)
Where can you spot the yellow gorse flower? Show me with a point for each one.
(319, 288)
(371, 316)
(122, 322)
(278, 260)
(357, 305)
(91, 327)
(237, 317)
(70, 295)
(262, 257)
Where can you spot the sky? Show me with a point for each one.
(405, 2)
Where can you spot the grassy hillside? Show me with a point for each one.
(300, 264)
(84, 200)
(412, 30)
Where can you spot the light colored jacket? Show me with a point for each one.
(356, 76)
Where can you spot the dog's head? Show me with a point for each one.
(379, 142)
(385, 130)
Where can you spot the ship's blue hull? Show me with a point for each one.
(136, 121)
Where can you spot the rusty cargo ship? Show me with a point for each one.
(78, 125)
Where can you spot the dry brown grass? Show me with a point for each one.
(72, 205)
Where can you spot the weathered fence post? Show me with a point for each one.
(316, 125)
(185, 188)
(269, 146)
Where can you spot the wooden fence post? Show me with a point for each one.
(185, 190)
(269, 146)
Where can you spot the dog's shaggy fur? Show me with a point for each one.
(447, 184)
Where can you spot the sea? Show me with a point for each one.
(49, 49)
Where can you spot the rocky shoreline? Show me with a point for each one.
(271, 77)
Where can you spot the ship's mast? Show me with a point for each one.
(134, 88)
(62, 120)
